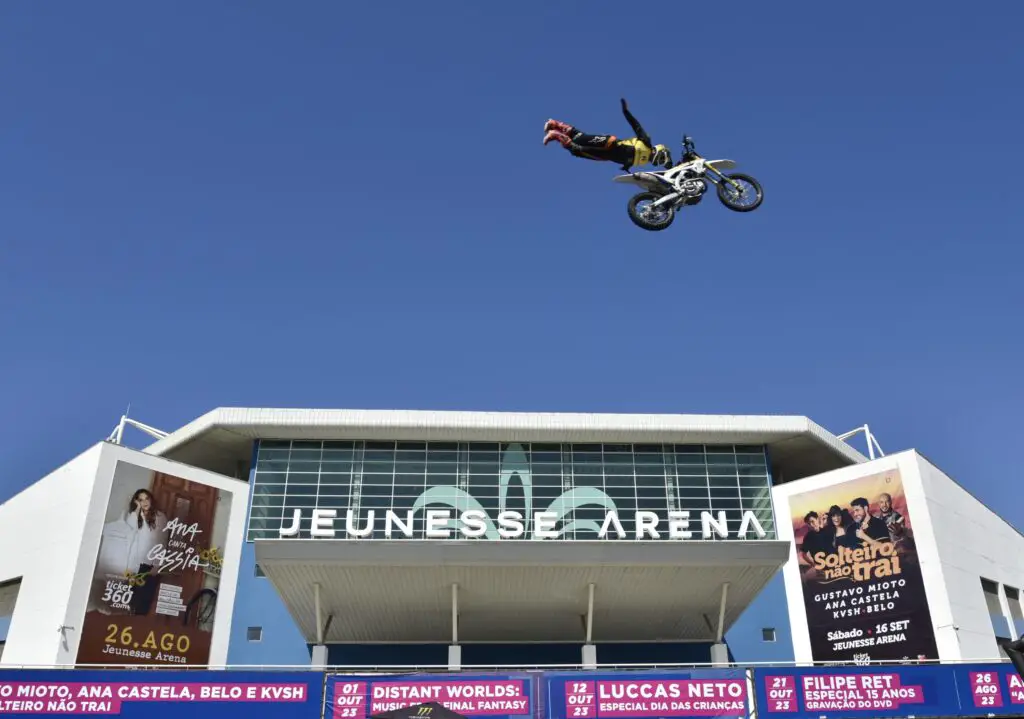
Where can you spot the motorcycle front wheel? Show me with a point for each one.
(747, 200)
(650, 218)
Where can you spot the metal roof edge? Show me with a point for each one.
(184, 434)
(227, 417)
(843, 448)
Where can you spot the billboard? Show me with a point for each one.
(154, 584)
(863, 592)
(990, 689)
(163, 694)
(969, 690)
(716, 693)
(500, 696)
(856, 692)
(783, 693)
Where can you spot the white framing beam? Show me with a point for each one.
(590, 612)
(869, 438)
(118, 434)
(721, 613)
(319, 614)
(455, 614)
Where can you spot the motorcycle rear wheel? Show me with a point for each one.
(641, 219)
(727, 194)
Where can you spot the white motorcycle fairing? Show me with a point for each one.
(668, 179)
(644, 177)
(721, 164)
(669, 183)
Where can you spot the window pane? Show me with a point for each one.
(385, 474)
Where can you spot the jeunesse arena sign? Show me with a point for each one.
(477, 523)
(685, 507)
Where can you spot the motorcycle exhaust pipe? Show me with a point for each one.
(667, 199)
(1015, 651)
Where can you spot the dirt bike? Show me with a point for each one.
(667, 191)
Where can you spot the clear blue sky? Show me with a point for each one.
(348, 205)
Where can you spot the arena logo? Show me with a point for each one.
(476, 523)
(473, 521)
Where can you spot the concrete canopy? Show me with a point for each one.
(508, 591)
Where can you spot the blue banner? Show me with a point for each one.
(490, 696)
(163, 694)
(989, 689)
(898, 691)
(972, 690)
(707, 693)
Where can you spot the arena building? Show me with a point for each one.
(457, 539)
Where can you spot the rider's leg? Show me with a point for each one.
(556, 130)
(592, 142)
(589, 149)
(581, 140)
(604, 148)
(595, 149)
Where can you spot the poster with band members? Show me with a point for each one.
(859, 571)
(157, 574)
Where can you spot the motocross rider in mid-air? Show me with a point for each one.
(629, 153)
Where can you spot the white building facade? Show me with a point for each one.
(949, 590)
(472, 539)
(71, 548)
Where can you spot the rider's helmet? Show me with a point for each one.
(660, 156)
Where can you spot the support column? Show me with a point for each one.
(319, 653)
(719, 650)
(589, 650)
(455, 651)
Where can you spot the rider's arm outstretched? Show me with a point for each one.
(659, 153)
(637, 127)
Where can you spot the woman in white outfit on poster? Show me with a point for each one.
(125, 548)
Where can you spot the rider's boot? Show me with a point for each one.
(562, 127)
(561, 138)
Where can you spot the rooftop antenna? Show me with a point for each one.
(117, 436)
(873, 446)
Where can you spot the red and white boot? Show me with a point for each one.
(562, 127)
(559, 137)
